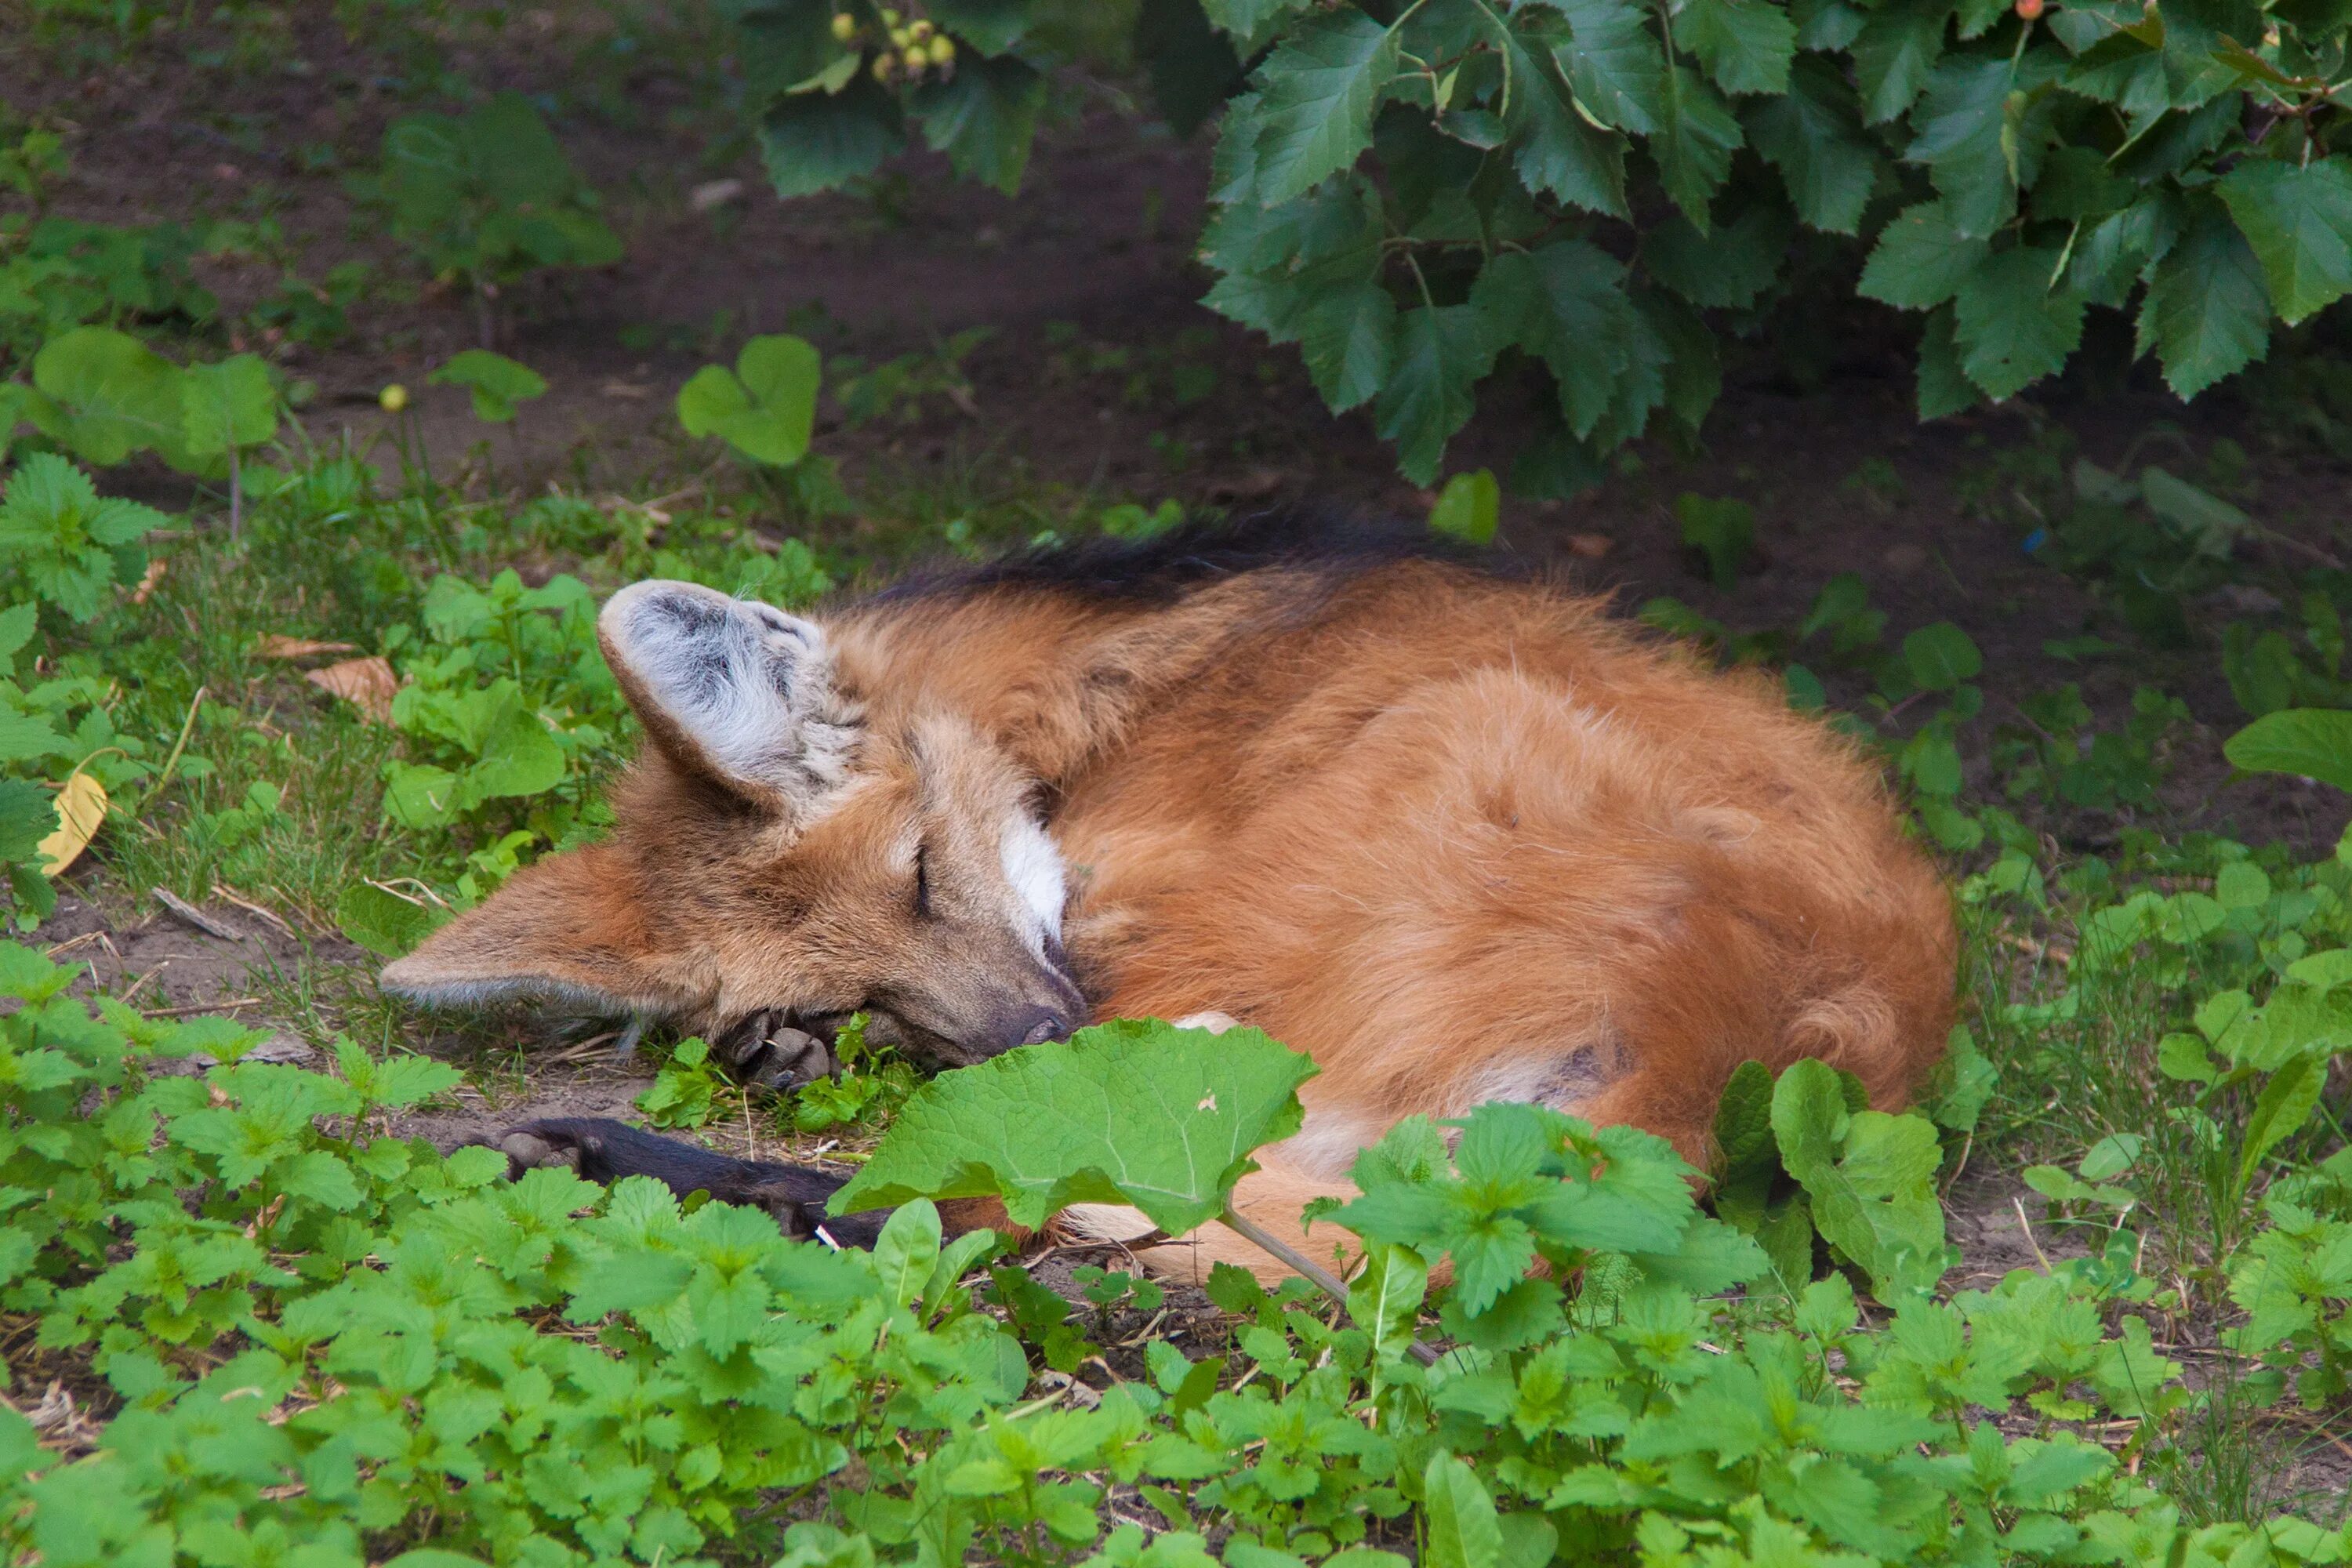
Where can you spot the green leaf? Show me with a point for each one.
(1812, 135)
(231, 403)
(1469, 507)
(1920, 259)
(1693, 148)
(1348, 336)
(984, 117)
(2298, 219)
(766, 408)
(1944, 387)
(497, 383)
(907, 1250)
(1747, 1159)
(1894, 52)
(1960, 138)
(2207, 313)
(1565, 303)
(815, 142)
(1250, 21)
(1941, 656)
(1746, 44)
(384, 923)
(118, 395)
(1135, 1111)
(1870, 1178)
(2307, 743)
(1559, 153)
(1442, 350)
(1724, 530)
(2286, 1103)
(1729, 267)
(1316, 95)
(1614, 65)
(1460, 1528)
(2011, 326)
(28, 813)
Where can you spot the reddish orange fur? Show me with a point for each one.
(1438, 831)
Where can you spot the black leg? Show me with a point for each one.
(602, 1150)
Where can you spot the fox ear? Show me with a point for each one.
(735, 690)
(568, 928)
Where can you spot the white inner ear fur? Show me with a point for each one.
(1033, 868)
(750, 686)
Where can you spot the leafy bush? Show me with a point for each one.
(1423, 196)
(487, 198)
(338, 1347)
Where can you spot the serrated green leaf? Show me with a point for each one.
(1729, 267)
(1565, 303)
(818, 141)
(1693, 147)
(1920, 259)
(1442, 350)
(984, 117)
(384, 923)
(1348, 337)
(2011, 326)
(2207, 313)
(1870, 1178)
(2298, 219)
(1135, 1111)
(1316, 95)
(1558, 152)
(1894, 52)
(1960, 121)
(1614, 64)
(1812, 135)
(1746, 44)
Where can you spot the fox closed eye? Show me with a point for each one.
(923, 882)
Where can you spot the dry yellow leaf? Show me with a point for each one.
(367, 684)
(81, 808)
(275, 647)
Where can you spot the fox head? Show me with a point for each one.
(787, 849)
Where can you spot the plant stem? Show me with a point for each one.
(1249, 1230)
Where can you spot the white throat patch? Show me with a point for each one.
(1034, 866)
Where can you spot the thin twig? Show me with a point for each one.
(1251, 1231)
(194, 1008)
(250, 907)
(211, 925)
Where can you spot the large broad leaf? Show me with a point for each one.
(1961, 122)
(766, 407)
(1894, 53)
(1921, 259)
(227, 405)
(1136, 1111)
(1316, 95)
(1348, 337)
(118, 395)
(2298, 219)
(2308, 743)
(1695, 145)
(1559, 153)
(1871, 1176)
(2207, 314)
(814, 142)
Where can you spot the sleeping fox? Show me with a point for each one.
(1445, 827)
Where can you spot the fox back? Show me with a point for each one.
(1452, 832)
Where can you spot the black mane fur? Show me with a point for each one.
(1165, 567)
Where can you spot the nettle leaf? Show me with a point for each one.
(1812, 135)
(231, 403)
(2305, 743)
(2011, 326)
(1871, 1177)
(1442, 350)
(497, 384)
(2207, 313)
(2298, 219)
(1316, 95)
(766, 407)
(385, 923)
(1136, 1111)
(1614, 64)
(1693, 148)
(1746, 44)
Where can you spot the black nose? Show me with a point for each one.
(1039, 1025)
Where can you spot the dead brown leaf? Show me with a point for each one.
(1591, 546)
(367, 684)
(147, 580)
(275, 647)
